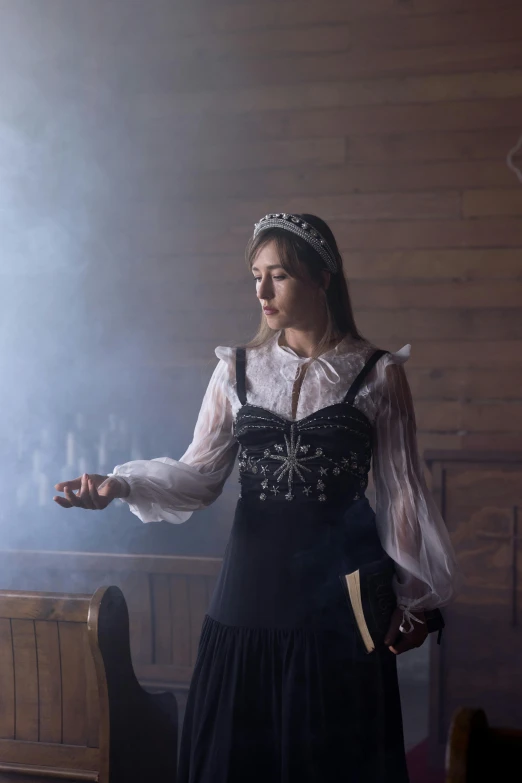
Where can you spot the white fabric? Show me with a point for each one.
(410, 527)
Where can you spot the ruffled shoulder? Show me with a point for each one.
(224, 352)
(401, 356)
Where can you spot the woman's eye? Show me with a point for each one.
(279, 277)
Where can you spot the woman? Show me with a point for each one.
(283, 689)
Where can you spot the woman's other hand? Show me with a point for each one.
(406, 641)
(95, 492)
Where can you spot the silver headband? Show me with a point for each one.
(304, 230)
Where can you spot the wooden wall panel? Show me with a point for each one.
(472, 26)
(161, 608)
(180, 595)
(483, 203)
(246, 16)
(181, 621)
(334, 94)
(469, 114)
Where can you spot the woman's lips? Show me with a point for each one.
(269, 310)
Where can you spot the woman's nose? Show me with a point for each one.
(264, 290)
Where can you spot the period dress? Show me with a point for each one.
(283, 690)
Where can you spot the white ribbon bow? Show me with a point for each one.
(407, 615)
(319, 365)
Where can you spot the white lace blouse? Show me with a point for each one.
(409, 524)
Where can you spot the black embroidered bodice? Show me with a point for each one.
(324, 457)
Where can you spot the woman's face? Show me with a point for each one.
(288, 303)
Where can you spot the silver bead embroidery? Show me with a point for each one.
(291, 462)
(357, 463)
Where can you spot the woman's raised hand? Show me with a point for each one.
(94, 492)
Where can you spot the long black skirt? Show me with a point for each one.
(283, 690)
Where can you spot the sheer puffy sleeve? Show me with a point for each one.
(410, 526)
(168, 489)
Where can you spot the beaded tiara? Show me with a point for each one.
(304, 230)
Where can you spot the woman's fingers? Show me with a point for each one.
(409, 641)
(85, 493)
(97, 501)
(73, 484)
(399, 642)
(393, 630)
(62, 502)
(70, 496)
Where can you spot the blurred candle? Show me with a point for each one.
(102, 453)
(135, 450)
(37, 462)
(43, 489)
(70, 449)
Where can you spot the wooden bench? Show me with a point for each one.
(71, 707)
(479, 753)
(167, 598)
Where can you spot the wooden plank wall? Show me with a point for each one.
(392, 121)
(181, 124)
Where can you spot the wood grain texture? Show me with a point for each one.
(469, 114)
(326, 95)
(73, 649)
(76, 698)
(181, 621)
(245, 178)
(484, 203)
(496, 232)
(245, 16)
(7, 682)
(49, 681)
(93, 698)
(137, 588)
(200, 71)
(477, 492)
(49, 755)
(44, 606)
(162, 624)
(413, 31)
(26, 680)
(455, 264)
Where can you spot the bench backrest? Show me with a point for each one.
(54, 710)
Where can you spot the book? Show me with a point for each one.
(372, 600)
